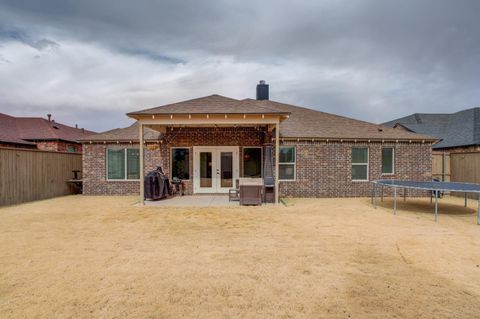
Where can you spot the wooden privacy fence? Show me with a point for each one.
(465, 167)
(441, 166)
(27, 175)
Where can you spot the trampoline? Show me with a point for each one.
(435, 187)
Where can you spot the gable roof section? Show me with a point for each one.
(452, 130)
(212, 104)
(24, 130)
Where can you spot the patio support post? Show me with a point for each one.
(395, 201)
(465, 199)
(277, 159)
(478, 210)
(140, 138)
(436, 205)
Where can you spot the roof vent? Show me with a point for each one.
(49, 116)
(380, 129)
(262, 90)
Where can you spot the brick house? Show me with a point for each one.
(210, 141)
(39, 133)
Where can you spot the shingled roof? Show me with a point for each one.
(301, 123)
(25, 130)
(129, 133)
(212, 104)
(452, 130)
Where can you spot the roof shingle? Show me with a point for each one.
(301, 123)
(452, 130)
(24, 130)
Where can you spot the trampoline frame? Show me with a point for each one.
(434, 187)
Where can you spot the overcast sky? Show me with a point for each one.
(91, 61)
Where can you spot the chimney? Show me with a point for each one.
(49, 116)
(262, 90)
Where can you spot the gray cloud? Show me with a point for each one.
(368, 59)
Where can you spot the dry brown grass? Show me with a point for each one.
(85, 257)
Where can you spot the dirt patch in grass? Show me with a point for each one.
(102, 257)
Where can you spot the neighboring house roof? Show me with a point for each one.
(452, 130)
(301, 123)
(25, 130)
(8, 131)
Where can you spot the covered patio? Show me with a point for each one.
(170, 119)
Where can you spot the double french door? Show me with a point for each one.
(215, 169)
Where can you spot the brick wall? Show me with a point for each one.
(58, 146)
(158, 154)
(323, 169)
(13, 145)
(94, 169)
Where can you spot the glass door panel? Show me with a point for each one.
(206, 180)
(226, 169)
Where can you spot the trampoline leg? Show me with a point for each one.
(371, 194)
(436, 206)
(394, 201)
(465, 199)
(404, 194)
(381, 194)
(374, 196)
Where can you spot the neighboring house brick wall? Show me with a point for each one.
(13, 145)
(324, 169)
(58, 146)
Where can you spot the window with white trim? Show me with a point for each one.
(388, 160)
(123, 164)
(360, 164)
(287, 163)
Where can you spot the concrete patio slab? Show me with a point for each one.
(194, 201)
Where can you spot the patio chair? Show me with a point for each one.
(234, 193)
(251, 191)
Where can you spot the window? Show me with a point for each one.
(181, 163)
(71, 149)
(123, 164)
(388, 160)
(360, 164)
(252, 162)
(287, 163)
(133, 163)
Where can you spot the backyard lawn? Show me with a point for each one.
(85, 257)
